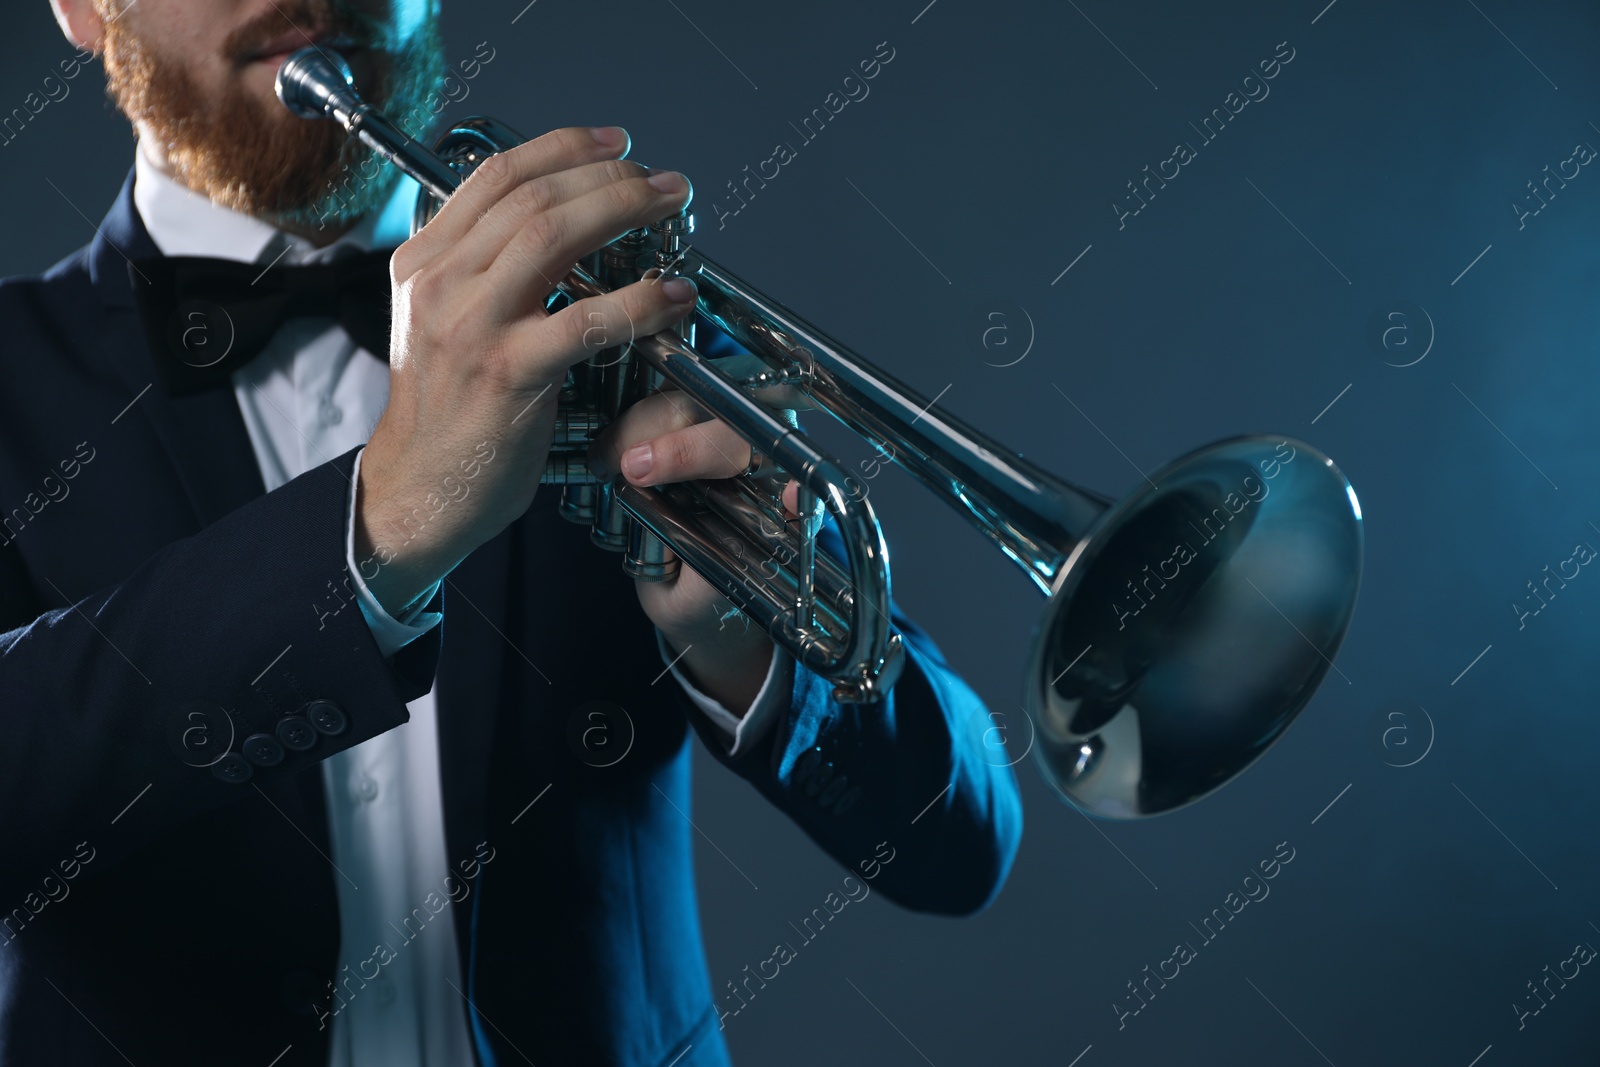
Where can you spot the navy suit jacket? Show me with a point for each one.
(149, 585)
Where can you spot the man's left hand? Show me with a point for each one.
(666, 438)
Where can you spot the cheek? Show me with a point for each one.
(177, 37)
(257, 82)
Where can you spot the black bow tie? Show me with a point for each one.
(205, 318)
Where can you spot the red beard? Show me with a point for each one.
(253, 156)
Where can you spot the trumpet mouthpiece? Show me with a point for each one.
(316, 83)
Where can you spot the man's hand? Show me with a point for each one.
(666, 438)
(475, 361)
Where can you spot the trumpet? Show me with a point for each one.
(1186, 625)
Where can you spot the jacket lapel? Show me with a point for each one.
(204, 434)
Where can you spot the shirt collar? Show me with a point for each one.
(182, 222)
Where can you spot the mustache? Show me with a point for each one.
(312, 18)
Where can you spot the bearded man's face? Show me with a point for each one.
(197, 76)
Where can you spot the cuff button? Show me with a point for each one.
(263, 750)
(296, 734)
(328, 717)
(232, 768)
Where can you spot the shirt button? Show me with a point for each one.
(367, 789)
(329, 413)
(382, 992)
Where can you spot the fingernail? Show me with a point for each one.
(610, 136)
(637, 461)
(679, 290)
(667, 181)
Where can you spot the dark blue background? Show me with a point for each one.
(995, 142)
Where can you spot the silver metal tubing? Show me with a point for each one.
(1186, 625)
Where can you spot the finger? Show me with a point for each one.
(548, 245)
(657, 414)
(490, 234)
(549, 345)
(704, 450)
(504, 171)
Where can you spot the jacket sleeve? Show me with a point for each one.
(910, 793)
(203, 675)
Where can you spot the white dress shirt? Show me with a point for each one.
(311, 396)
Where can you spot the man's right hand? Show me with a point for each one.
(476, 363)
